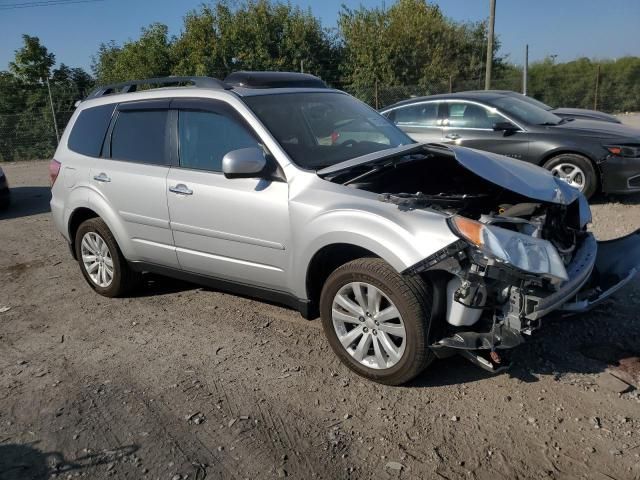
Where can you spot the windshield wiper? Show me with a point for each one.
(550, 124)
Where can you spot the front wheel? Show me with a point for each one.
(576, 170)
(377, 320)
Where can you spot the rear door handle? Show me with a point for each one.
(181, 189)
(452, 136)
(102, 177)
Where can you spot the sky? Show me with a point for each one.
(566, 28)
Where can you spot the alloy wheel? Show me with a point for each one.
(571, 174)
(96, 259)
(368, 325)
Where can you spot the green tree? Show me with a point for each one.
(149, 56)
(410, 43)
(33, 62)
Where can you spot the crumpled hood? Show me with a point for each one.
(515, 175)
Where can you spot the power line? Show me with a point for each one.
(43, 3)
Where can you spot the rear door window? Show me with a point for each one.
(89, 130)
(141, 136)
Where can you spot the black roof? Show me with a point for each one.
(469, 95)
(273, 80)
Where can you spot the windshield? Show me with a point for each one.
(320, 129)
(525, 111)
(533, 101)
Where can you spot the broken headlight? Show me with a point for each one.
(533, 255)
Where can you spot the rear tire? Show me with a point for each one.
(102, 264)
(383, 357)
(585, 179)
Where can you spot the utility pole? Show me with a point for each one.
(492, 21)
(301, 66)
(53, 112)
(595, 97)
(525, 76)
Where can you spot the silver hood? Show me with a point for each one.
(517, 176)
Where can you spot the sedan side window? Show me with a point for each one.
(470, 115)
(421, 115)
(206, 137)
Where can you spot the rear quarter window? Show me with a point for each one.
(89, 130)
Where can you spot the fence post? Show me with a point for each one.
(53, 112)
(375, 93)
(595, 97)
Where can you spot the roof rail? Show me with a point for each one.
(132, 86)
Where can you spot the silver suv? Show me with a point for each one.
(272, 185)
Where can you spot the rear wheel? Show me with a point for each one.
(376, 320)
(101, 261)
(576, 170)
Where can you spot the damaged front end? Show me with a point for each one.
(523, 250)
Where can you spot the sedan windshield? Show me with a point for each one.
(526, 111)
(320, 129)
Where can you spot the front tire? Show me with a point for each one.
(102, 264)
(377, 320)
(577, 170)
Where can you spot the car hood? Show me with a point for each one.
(520, 177)
(583, 112)
(597, 128)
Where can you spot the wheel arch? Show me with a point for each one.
(324, 262)
(77, 217)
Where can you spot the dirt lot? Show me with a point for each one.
(185, 382)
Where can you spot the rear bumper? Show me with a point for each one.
(620, 175)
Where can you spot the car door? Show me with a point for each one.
(471, 124)
(131, 178)
(421, 121)
(234, 229)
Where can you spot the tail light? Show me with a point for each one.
(54, 170)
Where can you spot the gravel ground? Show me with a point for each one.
(185, 382)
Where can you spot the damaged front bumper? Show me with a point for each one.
(597, 271)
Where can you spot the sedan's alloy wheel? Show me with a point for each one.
(570, 173)
(368, 325)
(97, 259)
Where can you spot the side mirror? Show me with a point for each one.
(244, 163)
(504, 127)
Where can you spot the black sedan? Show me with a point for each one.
(4, 190)
(590, 155)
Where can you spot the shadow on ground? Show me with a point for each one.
(27, 201)
(20, 462)
(630, 199)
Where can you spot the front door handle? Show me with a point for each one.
(181, 189)
(452, 136)
(102, 177)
